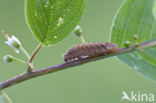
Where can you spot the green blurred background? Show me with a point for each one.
(97, 82)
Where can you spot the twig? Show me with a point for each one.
(33, 74)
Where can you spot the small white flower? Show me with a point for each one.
(14, 43)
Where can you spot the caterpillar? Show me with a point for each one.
(89, 50)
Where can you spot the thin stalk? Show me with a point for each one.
(29, 68)
(19, 60)
(35, 52)
(82, 39)
(25, 52)
(66, 65)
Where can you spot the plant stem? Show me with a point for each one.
(29, 68)
(82, 39)
(25, 52)
(35, 52)
(19, 60)
(66, 65)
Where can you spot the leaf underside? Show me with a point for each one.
(51, 21)
(136, 17)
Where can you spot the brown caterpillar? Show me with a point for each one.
(89, 50)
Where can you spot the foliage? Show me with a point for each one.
(53, 20)
(136, 17)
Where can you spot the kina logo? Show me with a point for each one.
(137, 97)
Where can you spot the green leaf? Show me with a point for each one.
(4, 98)
(154, 9)
(52, 21)
(136, 17)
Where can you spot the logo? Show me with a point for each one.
(137, 97)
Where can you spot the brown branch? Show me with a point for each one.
(33, 74)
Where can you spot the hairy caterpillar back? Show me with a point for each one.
(89, 50)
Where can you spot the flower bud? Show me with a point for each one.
(135, 37)
(127, 44)
(8, 58)
(78, 31)
(137, 44)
